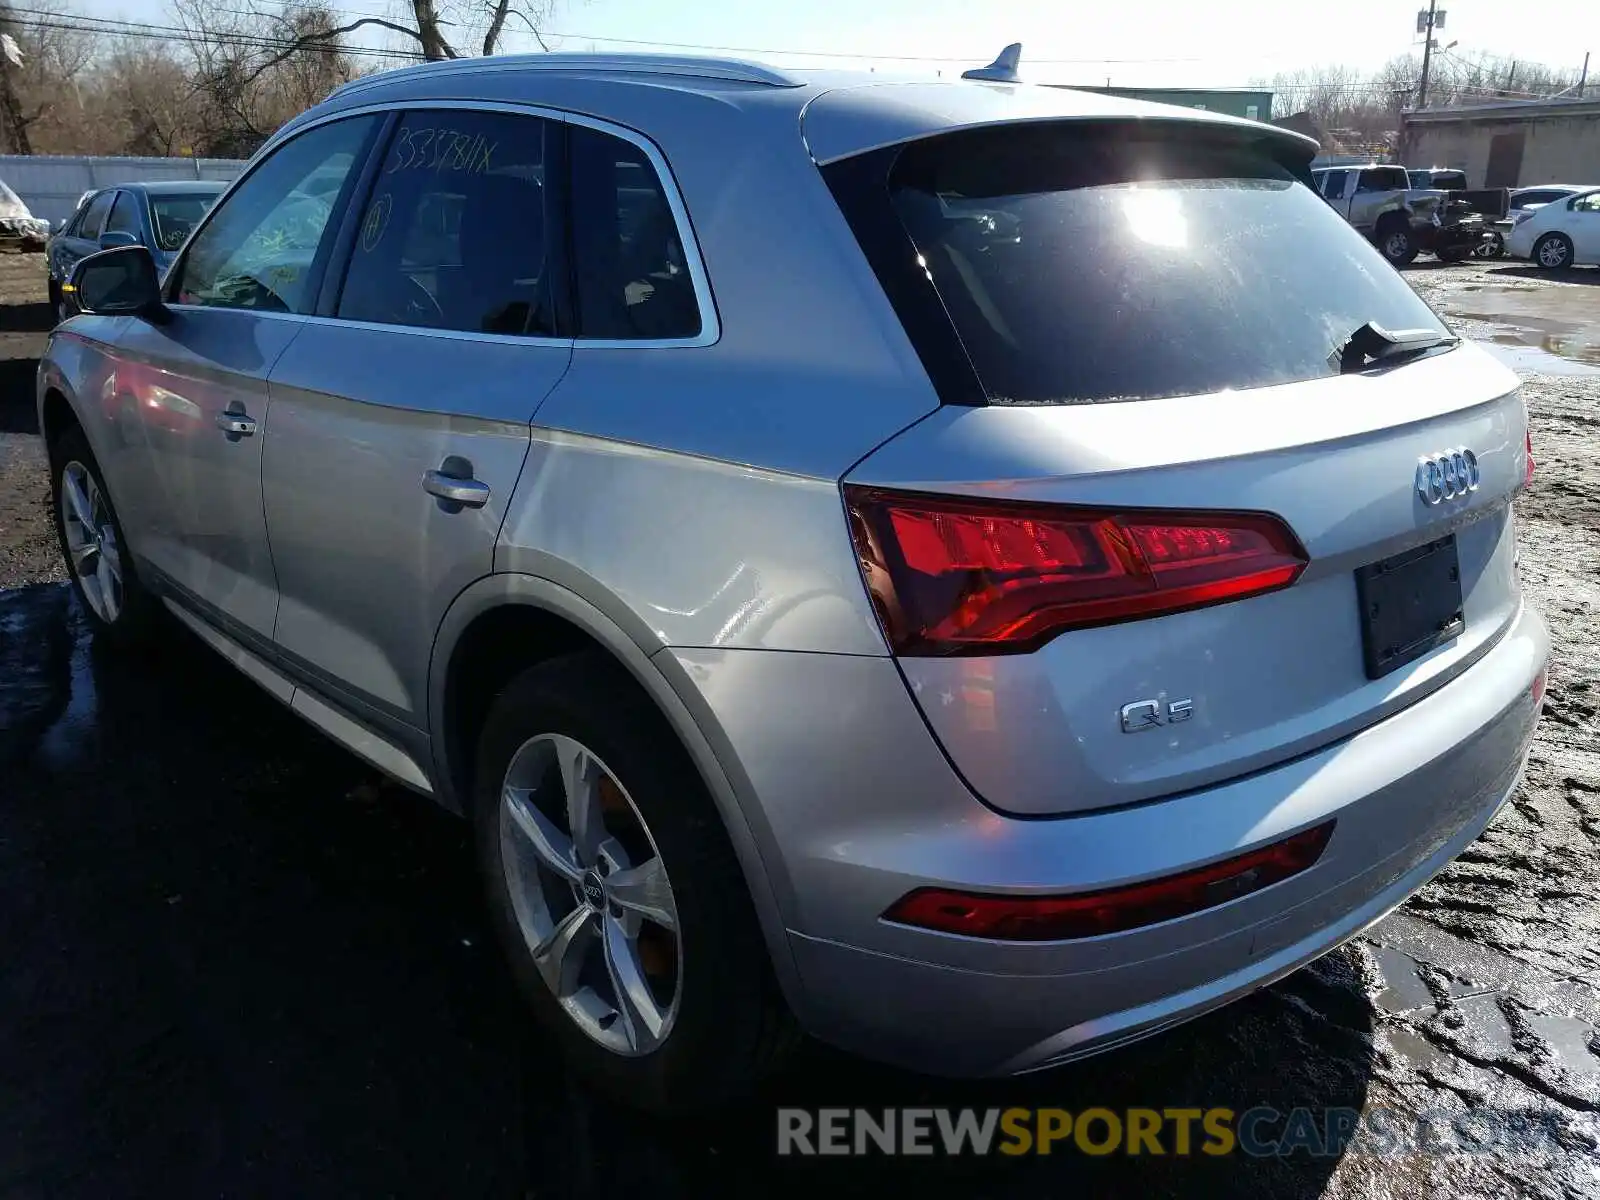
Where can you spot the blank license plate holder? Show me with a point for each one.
(1410, 604)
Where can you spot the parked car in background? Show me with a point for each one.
(1560, 233)
(157, 216)
(1011, 574)
(1402, 221)
(17, 223)
(1527, 201)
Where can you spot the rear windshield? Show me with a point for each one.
(1086, 264)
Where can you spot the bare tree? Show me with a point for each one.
(481, 23)
(251, 70)
(40, 90)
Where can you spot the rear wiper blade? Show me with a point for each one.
(1372, 344)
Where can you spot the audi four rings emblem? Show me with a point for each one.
(1445, 476)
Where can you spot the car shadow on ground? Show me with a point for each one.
(1514, 270)
(237, 963)
(17, 411)
(36, 317)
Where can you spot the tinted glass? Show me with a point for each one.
(454, 235)
(1384, 179)
(175, 217)
(633, 280)
(94, 218)
(124, 215)
(1333, 183)
(1081, 265)
(259, 249)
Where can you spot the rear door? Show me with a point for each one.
(400, 415)
(1150, 561)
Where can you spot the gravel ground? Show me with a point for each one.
(28, 548)
(249, 978)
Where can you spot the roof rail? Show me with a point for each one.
(733, 70)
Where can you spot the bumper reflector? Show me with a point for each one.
(1111, 910)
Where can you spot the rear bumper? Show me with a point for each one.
(857, 807)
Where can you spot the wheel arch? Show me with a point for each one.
(515, 620)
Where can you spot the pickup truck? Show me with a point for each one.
(1400, 219)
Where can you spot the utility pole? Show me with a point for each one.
(1427, 22)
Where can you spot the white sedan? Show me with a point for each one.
(1564, 233)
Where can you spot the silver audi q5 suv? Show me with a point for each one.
(974, 572)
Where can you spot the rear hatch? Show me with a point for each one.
(1169, 534)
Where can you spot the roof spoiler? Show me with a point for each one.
(1002, 70)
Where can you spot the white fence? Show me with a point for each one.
(50, 184)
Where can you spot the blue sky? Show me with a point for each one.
(1152, 43)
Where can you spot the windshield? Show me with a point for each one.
(1081, 264)
(174, 217)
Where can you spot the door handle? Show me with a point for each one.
(236, 422)
(467, 492)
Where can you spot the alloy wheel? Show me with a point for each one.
(590, 893)
(91, 537)
(1553, 253)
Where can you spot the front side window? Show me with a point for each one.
(1587, 204)
(633, 280)
(94, 218)
(1085, 264)
(259, 249)
(456, 232)
(124, 215)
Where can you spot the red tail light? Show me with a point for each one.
(1088, 914)
(1527, 475)
(962, 576)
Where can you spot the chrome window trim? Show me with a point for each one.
(710, 321)
(709, 69)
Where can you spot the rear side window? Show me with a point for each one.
(94, 217)
(1333, 183)
(456, 232)
(632, 275)
(1384, 179)
(1080, 265)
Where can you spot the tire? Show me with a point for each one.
(130, 616)
(1397, 243)
(1553, 252)
(722, 1025)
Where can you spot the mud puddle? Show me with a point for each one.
(1545, 330)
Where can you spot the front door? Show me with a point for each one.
(199, 380)
(1584, 225)
(400, 421)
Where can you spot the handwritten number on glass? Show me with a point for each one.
(441, 150)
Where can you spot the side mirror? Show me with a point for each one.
(120, 282)
(117, 237)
